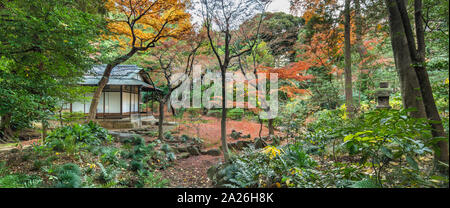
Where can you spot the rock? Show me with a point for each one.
(260, 143)
(123, 136)
(242, 144)
(169, 123)
(182, 149)
(213, 152)
(235, 135)
(193, 150)
(151, 123)
(149, 120)
(114, 134)
(183, 155)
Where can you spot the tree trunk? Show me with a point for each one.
(161, 120)
(360, 48)
(95, 99)
(409, 83)
(433, 114)
(104, 80)
(223, 123)
(406, 51)
(44, 130)
(425, 86)
(348, 62)
(271, 128)
(6, 128)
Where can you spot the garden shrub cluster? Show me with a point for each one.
(86, 155)
(378, 148)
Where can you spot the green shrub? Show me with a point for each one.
(235, 113)
(387, 137)
(108, 176)
(109, 155)
(214, 113)
(166, 148)
(151, 180)
(185, 138)
(135, 140)
(168, 135)
(171, 156)
(152, 133)
(38, 164)
(68, 176)
(20, 181)
(72, 138)
(136, 165)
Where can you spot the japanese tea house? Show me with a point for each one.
(121, 97)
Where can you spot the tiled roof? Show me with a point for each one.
(120, 75)
(120, 70)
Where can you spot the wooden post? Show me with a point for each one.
(104, 103)
(131, 91)
(139, 100)
(121, 111)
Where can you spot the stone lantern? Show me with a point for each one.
(383, 94)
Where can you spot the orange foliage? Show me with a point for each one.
(295, 71)
(141, 23)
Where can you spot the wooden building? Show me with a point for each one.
(121, 97)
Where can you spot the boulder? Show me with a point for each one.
(182, 149)
(114, 134)
(193, 150)
(213, 152)
(123, 136)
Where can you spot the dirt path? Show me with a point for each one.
(190, 172)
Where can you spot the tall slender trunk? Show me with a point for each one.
(409, 83)
(433, 114)
(161, 120)
(405, 50)
(104, 80)
(223, 123)
(425, 85)
(360, 48)
(348, 62)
